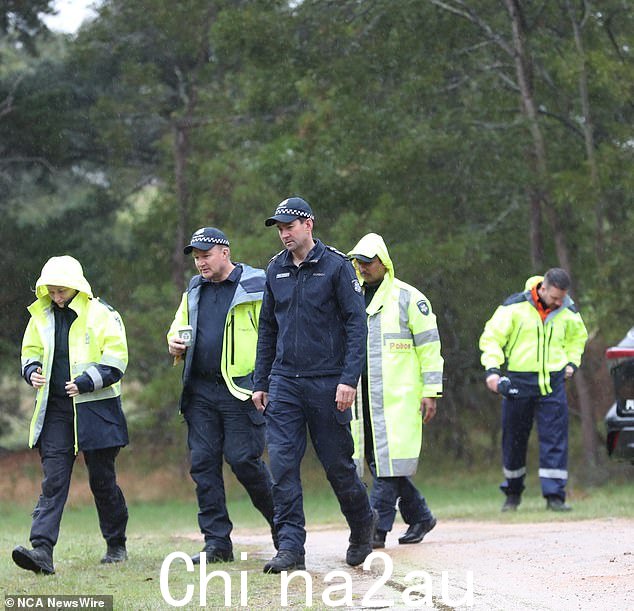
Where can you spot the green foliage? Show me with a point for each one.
(395, 117)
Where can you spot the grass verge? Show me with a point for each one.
(158, 528)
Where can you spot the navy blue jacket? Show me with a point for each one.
(313, 320)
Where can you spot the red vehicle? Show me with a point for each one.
(620, 417)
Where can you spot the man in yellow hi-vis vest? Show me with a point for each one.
(538, 336)
(400, 384)
(219, 312)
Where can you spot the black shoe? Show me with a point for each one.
(38, 559)
(555, 503)
(361, 541)
(285, 560)
(214, 555)
(512, 502)
(115, 553)
(415, 532)
(378, 541)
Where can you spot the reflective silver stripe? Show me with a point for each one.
(375, 390)
(432, 377)
(105, 393)
(48, 339)
(403, 305)
(514, 474)
(79, 368)
(358, 430)
(112, 361)
(93, 373)
(403, 467)
(553, 473)
(426, 337)
(27, 362)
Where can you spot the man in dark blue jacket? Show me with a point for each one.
(311, 350)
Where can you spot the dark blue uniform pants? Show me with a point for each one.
(219, 424)
(551, 413)
(295, 403)
(57, 454)
(387, 491)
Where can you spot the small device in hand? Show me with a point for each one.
(186, 334)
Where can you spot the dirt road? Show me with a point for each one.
(560, 565)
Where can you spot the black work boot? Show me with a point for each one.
(114, 553)
(213, 555)
(556, 503)
(512, 502)
(378, 541)
(39, 559)
(285, 560)
(361, 541)
(416, 531)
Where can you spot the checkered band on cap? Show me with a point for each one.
(206, 238)
(197, 239)
(293, 212)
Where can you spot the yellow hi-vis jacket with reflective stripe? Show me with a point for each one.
(404, 364)
(96, 337)
(241, 330)
(532, 349)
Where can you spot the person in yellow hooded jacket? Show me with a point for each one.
(538, 336)
(74, 352)
(401, 381)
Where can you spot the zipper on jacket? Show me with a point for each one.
(252, 319)
(233, 343)
(546, 354)
(298, 294)
(539, 338)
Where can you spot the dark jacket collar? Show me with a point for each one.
(313, 256)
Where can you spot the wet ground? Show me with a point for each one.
(557, 565)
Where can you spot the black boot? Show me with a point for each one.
(378, 541)
(415, 532)
(214, 555)
(361, 539)
(555, 503)
(512, 502)
(39, 559)
(115, 553)
(285, 560)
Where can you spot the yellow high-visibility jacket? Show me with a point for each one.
(404, 364)
(534, 353)
(96, 337)
(241, 331)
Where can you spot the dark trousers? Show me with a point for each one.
(57, 454)
(221, 425)
(389, 492)
(551, 414)
(294, 404)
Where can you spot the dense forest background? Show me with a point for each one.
(485, 140)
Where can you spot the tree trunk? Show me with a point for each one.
(537, 244)
(588, 134)
(529, 109)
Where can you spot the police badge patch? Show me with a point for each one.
(356, 286)
(423, 306)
